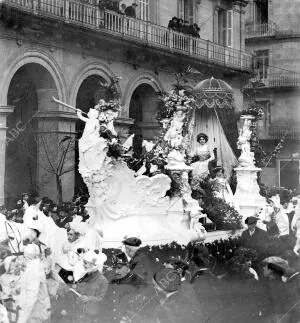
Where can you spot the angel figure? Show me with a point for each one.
(174, 135)
(244, 137)
(91, 130)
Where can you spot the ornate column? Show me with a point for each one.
(247, 192)
(4, 112)
(54, 123)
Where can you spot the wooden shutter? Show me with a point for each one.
(229, 28)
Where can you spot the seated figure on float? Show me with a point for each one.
(201, 158)
(220, 186)
(196, 227)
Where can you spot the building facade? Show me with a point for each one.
(272, 36)
(67, 49)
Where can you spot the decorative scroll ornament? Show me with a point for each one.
(213, 93)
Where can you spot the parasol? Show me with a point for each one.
(213, 93)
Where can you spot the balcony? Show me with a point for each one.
(74, 12)
(278, 132)
(275, 80)
(260, 30)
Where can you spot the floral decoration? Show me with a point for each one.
(254, 110)
(172, 101)
(114, 105)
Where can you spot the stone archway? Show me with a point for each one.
(27, 92)
(143, 109)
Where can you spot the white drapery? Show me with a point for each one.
(207, 121)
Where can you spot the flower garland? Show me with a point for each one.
(262, 158)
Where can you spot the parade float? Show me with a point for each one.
(156, 201)
(123, 202)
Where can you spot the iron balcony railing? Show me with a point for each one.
(278, 132)
(91, 17)
(260, 30)
(275, 80)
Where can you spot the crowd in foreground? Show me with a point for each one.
(254, 278)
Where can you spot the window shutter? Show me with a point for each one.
(153, 14)
(229, 36)
(144, 10)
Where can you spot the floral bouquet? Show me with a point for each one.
(113, 105)
(254, 110)
(174, 101)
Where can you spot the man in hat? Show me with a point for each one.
(131, 285)
(173, 305)
(140, 272)
(254, 237)
(130, 11)
(282, 286)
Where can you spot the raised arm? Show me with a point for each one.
(80, 116)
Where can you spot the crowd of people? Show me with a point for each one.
(136, 284)
(61, 215)
(120, 8)
(183, 26)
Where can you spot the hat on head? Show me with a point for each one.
(95, 257)
(218, 168)
(78, 227)
(178, 262)
(133, 242)
(276, 200)
(202, 135)
(251, 220)
(167, 279)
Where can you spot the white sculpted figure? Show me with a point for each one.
(89, 157)
(107, 117)
(91, 130)
(174, 134)
(247, 157)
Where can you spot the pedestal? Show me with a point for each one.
(247, 192)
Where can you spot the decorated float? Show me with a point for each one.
(158, 201)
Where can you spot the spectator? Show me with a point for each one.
(282, 222)
(282, 289)
(180, 27)
(131, 11)
(173, 23)
(253, 237)
(63, 217)
(123, 8)
(139, 264)
(174, 306)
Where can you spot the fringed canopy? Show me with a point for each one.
(213, 93)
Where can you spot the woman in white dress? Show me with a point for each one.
(203, 155)
(220, 186)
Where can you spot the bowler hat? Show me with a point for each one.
(251, 220)
(133, 242)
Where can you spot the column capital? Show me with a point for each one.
(6, 109)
